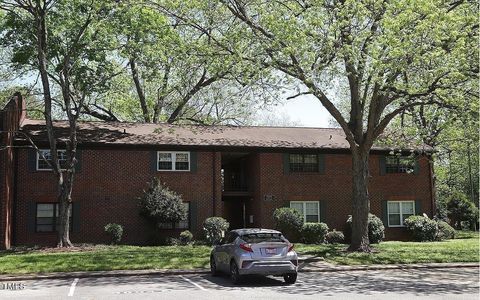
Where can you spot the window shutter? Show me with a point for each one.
(382, 163)
(193, 216)
(31, 216)
(75, 216)
(193, 162)
(418, 207)
(32, 160)
(286, 163)
(321, 163)
(385, 213)
(323, 211)
(78, 165)
(153, 161)
(416, 169)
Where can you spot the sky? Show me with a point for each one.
(306, 110)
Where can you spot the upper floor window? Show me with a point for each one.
(185, 224)
(398, 211)
(47, 217)
(399, 164)
(310, 210)
(303, 163)
(43, 165)
(173, 161)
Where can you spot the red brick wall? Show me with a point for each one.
(110, 182)
(334, 188)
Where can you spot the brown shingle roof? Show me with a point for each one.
(119, 133)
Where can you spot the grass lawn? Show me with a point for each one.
(96, 258)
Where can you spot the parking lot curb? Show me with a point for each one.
(166, 272)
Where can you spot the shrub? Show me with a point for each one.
(214, 227)
(115, 231)
(314, 233)
(460, 209)
(161, 205)
(289, 221)
(445, 231)
(422, 228)
(186, 237)
(335, 237)
(376, 230)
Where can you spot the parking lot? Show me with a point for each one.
(461, 283)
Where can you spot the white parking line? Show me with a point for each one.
(195, 284)
(72, 287)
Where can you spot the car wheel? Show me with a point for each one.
(213, 266)
(290, 278)
(234, 275)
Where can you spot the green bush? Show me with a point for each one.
(186, 237)
(376, 230)
(461, 209)
(289, 221)
(314, 233)
(214, 228)
(115, 231)
(335, 237)
(445, 231)
(422, 228)
(161, 205)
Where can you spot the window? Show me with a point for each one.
(43, 165)
(399, 164)
(398, 211)
(47, 217)
(310, 210)
(173, 161)
(303, 163)
(179, 225)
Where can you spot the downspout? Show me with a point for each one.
(432, 185)
(214, 181)
(15, 196)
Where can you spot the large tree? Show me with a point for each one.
(66, 43)
(392, 55)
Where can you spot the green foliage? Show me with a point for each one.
(214, 229)
(185, 237)
(159, 204)
(376, 229)
(422, 228)
(445, 231)
(288, 221)
(460, 209)
(314, 233)
(115, 231)
(335, 237)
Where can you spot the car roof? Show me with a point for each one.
(244, 231)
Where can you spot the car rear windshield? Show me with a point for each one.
(262, 237)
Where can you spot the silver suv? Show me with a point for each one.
(254, 251)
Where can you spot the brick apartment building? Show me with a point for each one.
(240, 173)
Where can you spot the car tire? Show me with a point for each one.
(290, 278)
(213, 266)
(234, 274)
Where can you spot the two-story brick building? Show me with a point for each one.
(240, 173)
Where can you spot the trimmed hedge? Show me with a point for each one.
(289, 222)
(335, 237)
(186, 237)
(115, 231)
(214, 228)
(314, 233)
(445, 231)
(422, 228)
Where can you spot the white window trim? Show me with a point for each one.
(305, 210)
(38, 159)
(401, 213)
(174, 157)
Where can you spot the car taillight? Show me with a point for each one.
(290, 247)
(246, 247)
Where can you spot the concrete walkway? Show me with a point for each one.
(306, 264)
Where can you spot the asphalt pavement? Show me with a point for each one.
(451, 283)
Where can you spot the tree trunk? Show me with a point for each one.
(140, 91)
(361, 202)
(65, 201)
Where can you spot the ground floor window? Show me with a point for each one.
(310, 210)
(398, 211)
(179, 225)
(47, 217)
